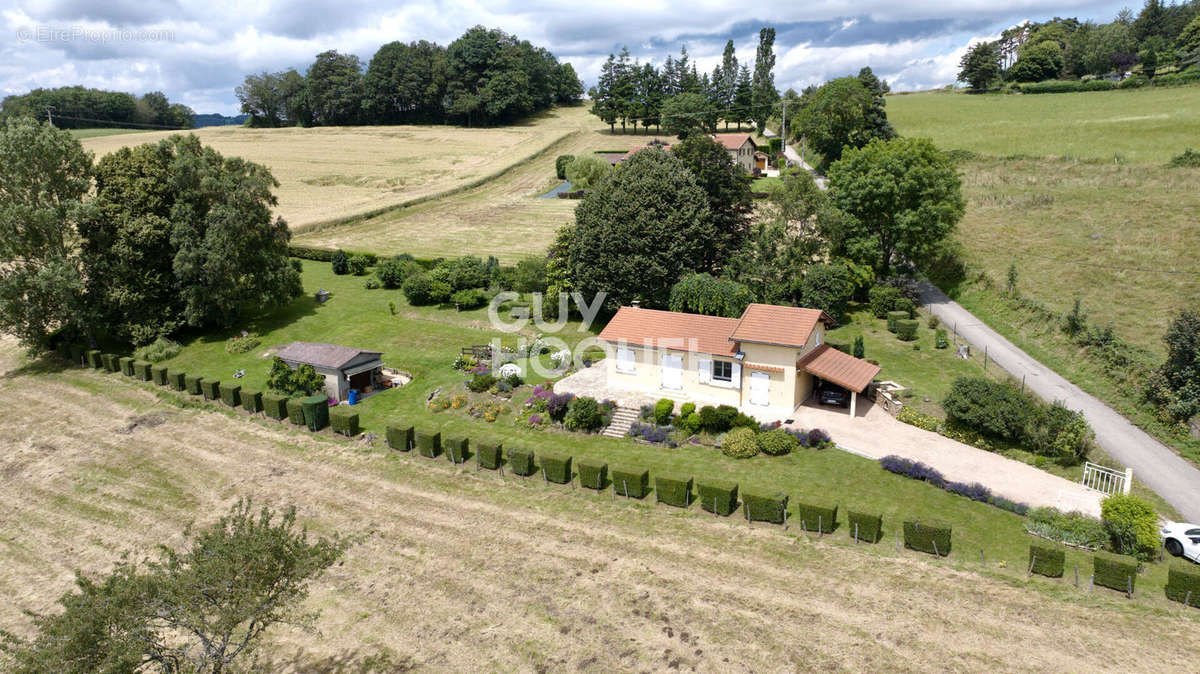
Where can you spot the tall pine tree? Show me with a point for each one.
(765, 94)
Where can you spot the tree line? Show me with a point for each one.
(679, 99)
(147, 241)
(485, 77)
(82, 108)
(1160, 36)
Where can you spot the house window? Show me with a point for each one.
(625, 361)
(722, 370)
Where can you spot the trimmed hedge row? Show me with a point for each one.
(673, 490)
(864, 527)
(556, 468)
(520, 462)
(94, 359)
(1047, 560)
(489, 455)
(211, 388)
(141, 370)
(192, 385)
(110, 362)
(295, 411)
(231, 394)
(929, 536)
(344, 420)
(316, 411)
(718, 497)
(252, 401)
(1183, 585)
(428, 444)
(816, 518)
(275, 406)
(177, 380)
(631, 483)
(126, 364)
(1114, 571)
(456, 449)
(400, 438)
(158, 374)
(593, 475)
(765, 507)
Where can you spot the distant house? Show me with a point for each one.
(741, 148)
(766, 363)
(344, 367)
(615, 159)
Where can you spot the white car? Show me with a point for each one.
(1182, 540)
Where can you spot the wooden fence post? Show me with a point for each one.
(982, 559)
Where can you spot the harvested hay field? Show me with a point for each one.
(463, 572)
(332, 173)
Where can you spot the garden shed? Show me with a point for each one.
(345, 368)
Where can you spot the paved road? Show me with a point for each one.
(795, 158)
(1155, 464)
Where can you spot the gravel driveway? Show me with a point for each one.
(874, 434)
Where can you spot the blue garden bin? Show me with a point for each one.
(353, 397)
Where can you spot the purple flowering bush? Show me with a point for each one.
(556, 405)
(659, 435)
(974, 491)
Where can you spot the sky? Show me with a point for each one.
(197, 52)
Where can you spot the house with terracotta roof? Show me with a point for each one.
(741, 148)
(766, 363)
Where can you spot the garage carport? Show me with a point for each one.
(839, 369)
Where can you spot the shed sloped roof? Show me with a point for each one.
(733, 141)
(840, 368)
(671, 330)
(782, 326)
(322, 355)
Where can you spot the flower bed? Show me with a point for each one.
(974, 491)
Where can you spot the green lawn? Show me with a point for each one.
(1138, 126)
(425, 340)
(80, 134)
(763, 184)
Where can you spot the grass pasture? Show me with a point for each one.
(333, 173)
(84, 134)
(1143, 126)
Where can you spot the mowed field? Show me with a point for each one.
(1136, 126)
(333, 173)
(456, 571)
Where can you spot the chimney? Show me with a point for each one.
(635, 304)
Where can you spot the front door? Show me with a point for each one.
(672, 372)
(760, 384)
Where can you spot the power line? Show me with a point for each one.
(110, 121)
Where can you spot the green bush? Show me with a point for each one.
(941, 339)
(422, 289)
(520, 462)
(929, 536)
(470, 298)
(633, 483)
(158, 350)
(869, 528)
(295, 411)
(1046, 560)
(94, 359)
(718, 497)
(686, 409)
(776, 442)
(1132, 526)
(158, 374)
(109, 360)
(75, 352)
(906, 329)
(126, 365)
(914, 417)
(141, 370)
(556, 468)
(252, 400)
(344, 420)
(275, 406)
(400, 437)
(1133, 82)
(764, 507)
(673, 490)
(192, 385)
(883, 299)
(739, 443)
(316, 411)
(592, 474)
(690, 424)
(211, 388)
(428, 444)
(489, 455)
(990, 407)
(1114, 571)
(894, 318)
(231, 394)
(178, 380)
(1183, 585)
(357, 264)
(583, 414)
(456, 449)
(663, 409)
(560, 165)
(816, 518)
(340, 262)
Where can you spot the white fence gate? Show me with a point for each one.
(1106, 480)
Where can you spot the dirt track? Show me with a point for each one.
(457, 572)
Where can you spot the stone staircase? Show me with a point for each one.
(622, 419)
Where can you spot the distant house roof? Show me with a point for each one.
(318, 354)
(840, 368)
(734, 141)
(671, 330)
(639, 148)
(781, 326)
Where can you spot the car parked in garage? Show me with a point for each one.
(833, 395)
(1182, 540)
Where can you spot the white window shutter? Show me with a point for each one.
(704, 368)
(735, 381)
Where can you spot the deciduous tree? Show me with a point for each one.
(729, 197)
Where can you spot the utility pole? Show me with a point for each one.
(50, 114)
